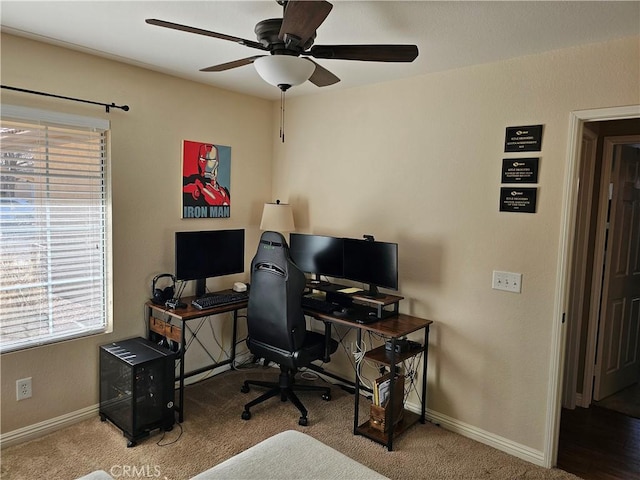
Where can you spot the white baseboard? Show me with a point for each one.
(48, 426)
(500, 443)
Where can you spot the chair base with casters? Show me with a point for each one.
(285, 388)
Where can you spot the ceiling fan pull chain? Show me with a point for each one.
(282, 94)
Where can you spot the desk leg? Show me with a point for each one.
(234, 340)
(392, 399)
(146, 322)
(183, 351)
(424, 374)
(357, 388)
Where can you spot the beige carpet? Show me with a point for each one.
(213, 431)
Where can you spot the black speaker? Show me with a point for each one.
(160, 295)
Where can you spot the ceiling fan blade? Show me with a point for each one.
(229, 65)
(301, 19)
(207, 33)
(366, 53)
(322, 77)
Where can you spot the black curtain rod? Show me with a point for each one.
(106, 105)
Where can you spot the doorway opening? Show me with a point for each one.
(602, 356)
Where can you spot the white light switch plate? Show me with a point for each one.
(507, 281)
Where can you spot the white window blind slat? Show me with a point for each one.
(53, 227)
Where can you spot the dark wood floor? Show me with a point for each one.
(599, 444)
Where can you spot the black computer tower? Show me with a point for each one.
(137, 387)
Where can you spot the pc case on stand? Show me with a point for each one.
(137, 387)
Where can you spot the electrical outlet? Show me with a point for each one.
(507, 281)
(23, 388)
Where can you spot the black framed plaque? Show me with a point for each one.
(519, 200)
(523, 139)
(520, 170)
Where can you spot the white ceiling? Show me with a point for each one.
(449, 34)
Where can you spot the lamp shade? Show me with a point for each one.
(277, 217)
(284, 71)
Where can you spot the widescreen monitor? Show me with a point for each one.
(317, 255)
(211, 253)
(371, 262)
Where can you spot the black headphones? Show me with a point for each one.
(160, 296)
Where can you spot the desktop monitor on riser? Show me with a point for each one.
(205, 254)
(373, 263)
(317, 255)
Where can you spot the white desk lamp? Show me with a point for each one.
(277, 217)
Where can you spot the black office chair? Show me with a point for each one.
(277, 327)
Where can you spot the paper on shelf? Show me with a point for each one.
(350, 290)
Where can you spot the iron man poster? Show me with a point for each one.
(206, 180)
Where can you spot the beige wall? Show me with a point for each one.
(146, 193)
(418, 162)
(414, 161)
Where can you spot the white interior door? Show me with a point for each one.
(618, 357)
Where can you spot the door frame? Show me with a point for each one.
(563, 274)
(580, 268)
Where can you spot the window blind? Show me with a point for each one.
(53, 228)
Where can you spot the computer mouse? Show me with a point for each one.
(372, 314)
(239, 287)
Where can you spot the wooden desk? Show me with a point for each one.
(173, 324)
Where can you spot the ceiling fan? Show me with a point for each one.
(291, 38)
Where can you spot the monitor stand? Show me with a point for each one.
(373, 292)
(201, 287)
(315, 280)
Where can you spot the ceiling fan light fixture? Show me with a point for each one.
(284, 71)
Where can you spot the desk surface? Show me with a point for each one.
(395, 326)
(384, 299)
(190, 312)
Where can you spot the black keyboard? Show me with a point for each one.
(219, 299)
(313, 303)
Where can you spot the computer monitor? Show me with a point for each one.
(205, 254)
(373, 263)
(316, 254)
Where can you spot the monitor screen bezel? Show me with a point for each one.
(202, 245)
(387, 274)
(307, 239)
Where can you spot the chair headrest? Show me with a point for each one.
(274, 239)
